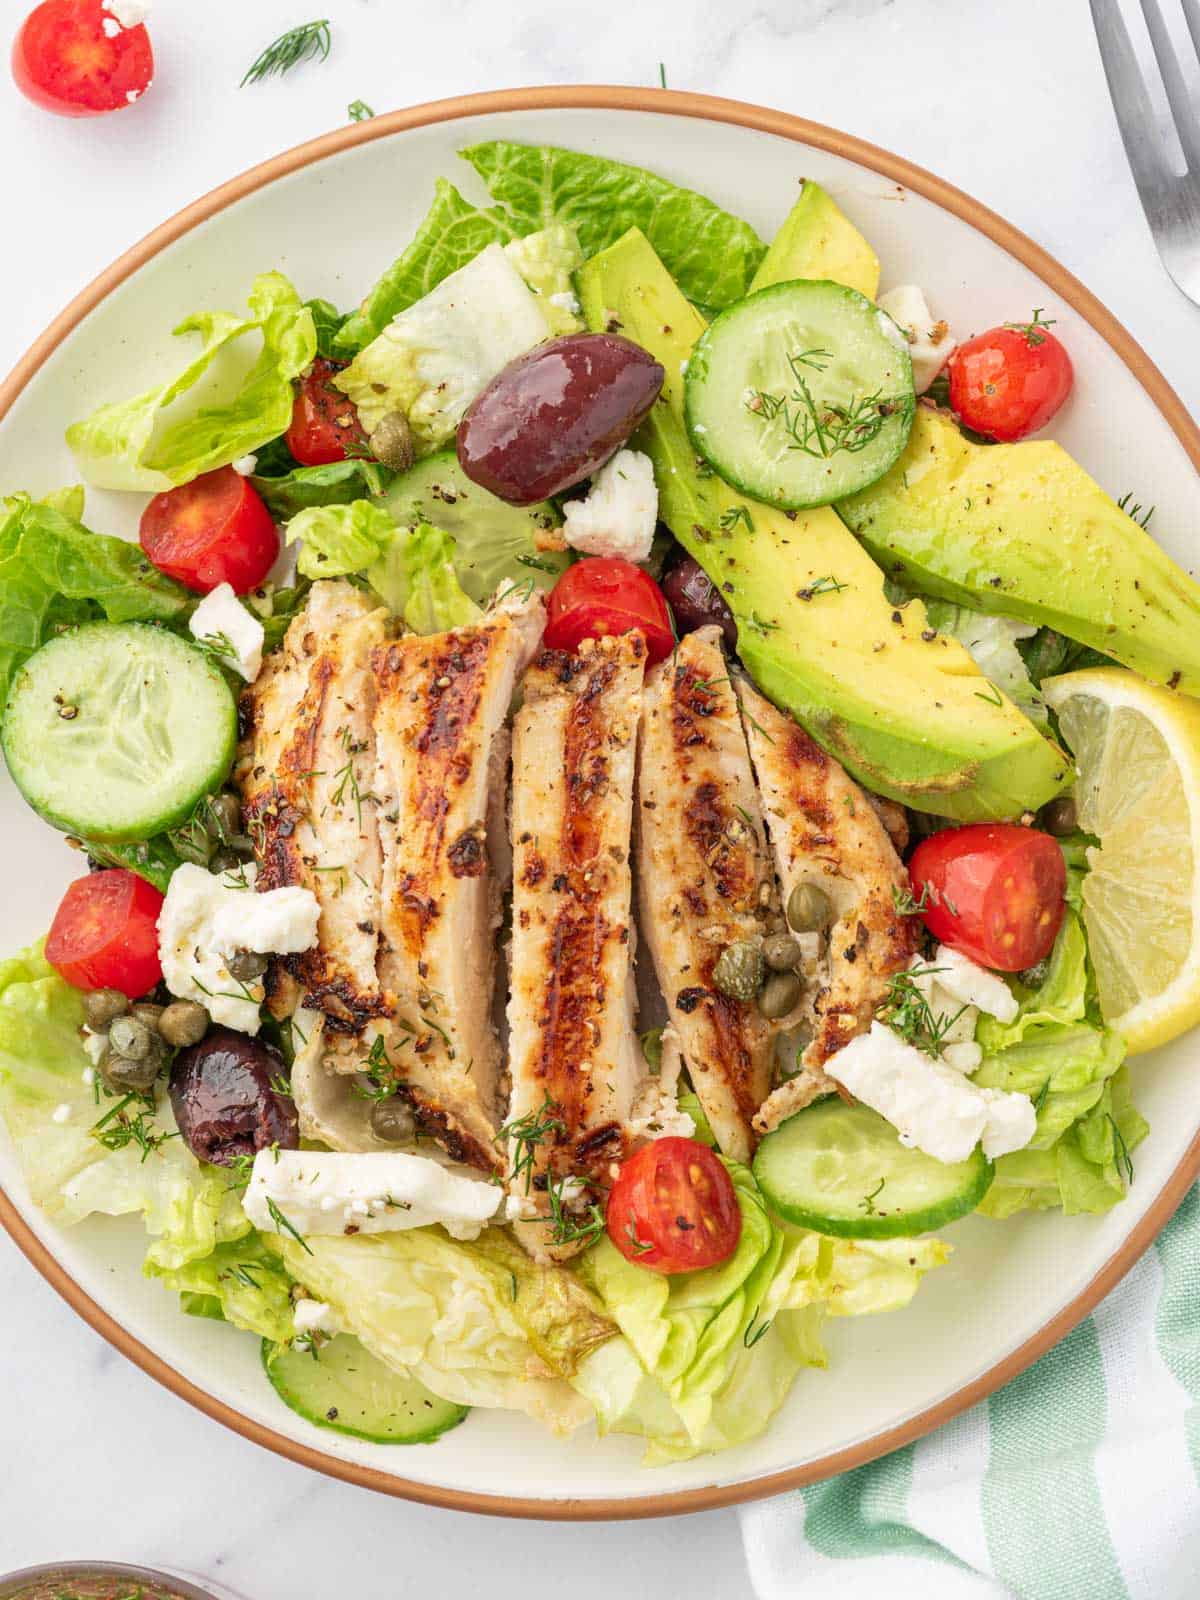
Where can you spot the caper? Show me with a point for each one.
(739, 970)
(242, 846)
(247, 965)
(183, 1022)
(124, 1075)
(103, 1006)
(392, 1120)
(1034, 977)
(808, 909)
(392, 442)
(226, 814)
(780, 994)
(130, 1038)
(224, 860)
(781, 952)
(1060, 816)
(148, 1014)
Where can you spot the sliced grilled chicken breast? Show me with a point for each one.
(306, 771)
(574, 1057)
(705, 878)
(825, 832)
(441, 705)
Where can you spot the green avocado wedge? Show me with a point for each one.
(818, 241)
(1021, 530)
(909, 715)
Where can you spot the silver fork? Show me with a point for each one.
(1170, 200)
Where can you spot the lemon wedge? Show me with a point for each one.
(1137, 753)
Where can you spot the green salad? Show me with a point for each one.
(627, 785)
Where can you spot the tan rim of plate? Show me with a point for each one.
(1068, 288)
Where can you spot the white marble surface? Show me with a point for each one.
(1007, 102)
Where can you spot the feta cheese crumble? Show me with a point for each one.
(566, 301)
(207, 916)
(312, 1316)
(61, 1113)
(618, 515)
(319, 1193)
(971, 985)
(245, 466)
(932, 1106)
(221, 620)
(929, 342)
(127, 13)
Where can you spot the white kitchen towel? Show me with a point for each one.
(1078, 1481)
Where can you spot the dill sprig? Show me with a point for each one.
(310, 41)
(1133, 508)
(1033, 330)
(735, 514)
(282, 1225)
(568, 1226)
(116, 1128)
(826, 585)
(528, 1133)
(906, 905)
(908, 1013)
(384, 1074)
(824, 429)
(753, 1334)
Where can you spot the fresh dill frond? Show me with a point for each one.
(310, 41)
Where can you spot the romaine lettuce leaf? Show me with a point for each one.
(478, 1323)
(992, 643)
(335, 484)
(711, 255)
(706, 1358)
(453, 233)
(129, 444)
(240, 1282)
(411, 569)
(432, 359)
(55, 573)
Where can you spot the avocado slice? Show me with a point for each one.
(817, 241)
(905, 710)
(1021, 530)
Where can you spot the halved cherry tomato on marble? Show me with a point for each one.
(105, 933)
(325, 425)
(604, 596)
(673, 1208)
(213, 530)
(75, 57)
(993, 890)
(1011, 380)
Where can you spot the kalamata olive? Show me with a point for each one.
(223, 1100)
(555, 414)
(695, 600)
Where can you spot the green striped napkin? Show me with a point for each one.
(1078, 1481)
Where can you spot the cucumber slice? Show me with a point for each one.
(351, 1391)
(841, 1169)
(494, 542)
(800, 394)
(114, 730)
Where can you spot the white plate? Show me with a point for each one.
(332, 216)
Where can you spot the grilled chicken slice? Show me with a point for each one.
(441, 744)
(575, 1060)
(825, 832)
(705, 878)
(306, 771)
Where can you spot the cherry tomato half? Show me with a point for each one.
(674, 1208)
(105, 933)
(213, 530)
(605, 596)
(993, 890)
(74, 57)
(1010, 381)
(325, 425)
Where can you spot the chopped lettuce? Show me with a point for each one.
(432, 359)
(707, 1358)
(411, 569)
(546, 261)
(130, 444)
(1058, 1052)
(478, 1323)
(327, 324)
(992, 643)
(54, 573)
(336, 483)
(241, 1282)
(453, 233)
(712, 255)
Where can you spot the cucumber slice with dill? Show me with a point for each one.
(800, 394)
(841, 1169)
(346, 1388)
(114, 730)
